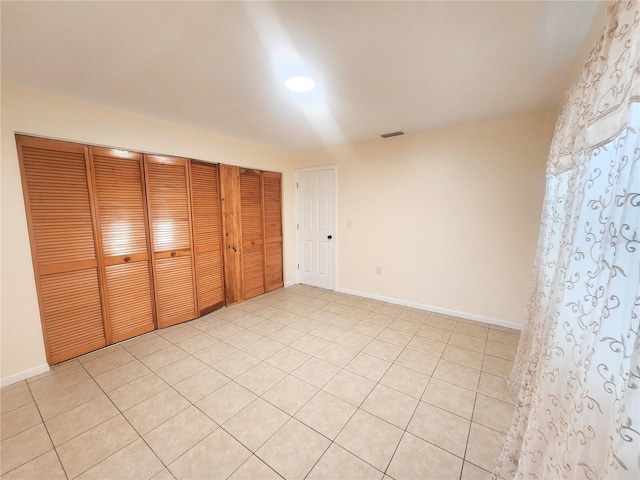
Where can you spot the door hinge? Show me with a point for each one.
(297, 186)
(298, 266)
(297, 226)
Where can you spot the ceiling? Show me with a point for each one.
(221, 66)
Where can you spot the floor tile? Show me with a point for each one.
(379, 319)
(326, 414)
(138, 391)
(338, 464)
(463, 356)
(249, 322)
(367, 328)
(215, 353)
(288, 359)
(416, 458)
(471, 472)
(483, 447)
(67, 398)
(193, 344)
(496, 387)
(53, 384)
(316, 372)
(337, 354)
(501, 350)
(290, 394)
(15, 398)
(405, 326)
(503, 337)
(457, 374)
(265, 348)
(136, 460)
(225, 402)
(434, 333)
(180, 370)
(472, 330)
(309, 344)
(395, 336)
(441, 428)
(122, 375)
(353, 340)
(390, 405)
(493, 413)
(198, 386)
(45, 467)
(445, 323)
(162, 358)
(215, 457)
(368, 366)
(418, 316)
(467, 341)
(294, 436)
(178, 434)
(286, 335)
(370, 438)
(266, 327)
(151, 345)
(147, 415)
(118, 357)
(254, 469)
(164, 474)
(236, 364)
(392, 310)
(450, 397)
(24, 447)
(178, 333)
(90, 448)
(70, 424)
(256, 423)
(497, 366)
(243, 339)
(417, 361)
(405, 380)
(328, 332)
(18, 420)
(383, 350)
(350, 387)
(260, 378)
(427, 346)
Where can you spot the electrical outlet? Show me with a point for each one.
(378, 270)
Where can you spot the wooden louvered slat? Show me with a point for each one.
(273, 230)
(174, 290)
(207, 236)
(62, 232)
(129, 294)
(253, 270)
(121, 213)
(169, 205)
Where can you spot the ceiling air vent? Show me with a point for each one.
(392, 134)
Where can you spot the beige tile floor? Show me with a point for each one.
(297, 383)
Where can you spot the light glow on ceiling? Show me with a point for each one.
(300, 84)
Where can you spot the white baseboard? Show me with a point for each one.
(30, 372)
(290, 283)
(430, 308)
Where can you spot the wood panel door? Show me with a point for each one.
(121, 212)
(62, 231)
(168, 196)
(252, 220)
(207, 236)
(272, 194)
(232, 237)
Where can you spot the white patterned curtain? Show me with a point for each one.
(577, 370)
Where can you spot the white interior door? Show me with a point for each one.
(316, 227)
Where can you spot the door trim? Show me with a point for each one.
(298, 212)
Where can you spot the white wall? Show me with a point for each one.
(38, 113)
(451, 215)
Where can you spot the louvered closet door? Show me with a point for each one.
(252, 232)
(168, 196)
(122, 221)
(207, 236)
(272, 230)
(62, 232)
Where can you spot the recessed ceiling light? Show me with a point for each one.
(300, 84)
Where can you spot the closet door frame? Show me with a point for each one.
(169, 160)
(39, 270)
(268, 287)
(128, 155)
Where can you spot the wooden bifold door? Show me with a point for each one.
(124, 242)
